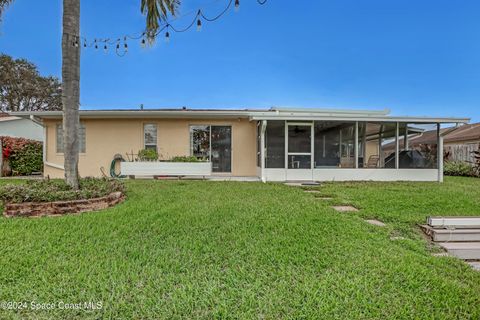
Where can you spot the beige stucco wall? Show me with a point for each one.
(107, 137)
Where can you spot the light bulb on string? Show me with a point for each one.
(237, 5)
(105, 48)
(143, 43)
(75, 42)
(199, 25)
(96, 44)
(125, 45)
(167, 36)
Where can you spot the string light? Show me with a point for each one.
(151, 35)
(199, 25)
(167, 36)
(75, 42)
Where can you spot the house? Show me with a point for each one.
(277, 144)
(20, 127)
(459, 142)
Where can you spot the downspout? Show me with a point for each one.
(263, 128)
(397, 146)
(355, 146)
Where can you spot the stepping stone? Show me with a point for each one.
(397, 238)
(475, 265)
(376, 222)
(311, 191)
(345, 208)
(293, 184)
(324, 198)
(313, 183)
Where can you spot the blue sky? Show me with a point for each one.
(414, 57)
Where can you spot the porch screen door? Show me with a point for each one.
(299, 146)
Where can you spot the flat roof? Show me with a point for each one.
(275, 113)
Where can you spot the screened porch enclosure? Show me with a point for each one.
(347, 150)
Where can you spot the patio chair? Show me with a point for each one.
(373, 161)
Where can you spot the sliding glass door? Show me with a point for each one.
(212, 143)
(221, 141)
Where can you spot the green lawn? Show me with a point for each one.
(199, 249)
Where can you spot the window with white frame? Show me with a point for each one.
(150, 136)
(81, 138)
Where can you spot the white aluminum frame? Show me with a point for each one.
(299, 174)
(347, 174)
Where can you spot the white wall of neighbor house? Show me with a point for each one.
(21, 128)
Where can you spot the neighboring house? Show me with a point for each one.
(461, 142)
(274, 145)
(20, 127)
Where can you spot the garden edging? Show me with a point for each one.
(39, 209)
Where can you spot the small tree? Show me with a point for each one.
(156, 11)
(22, 88)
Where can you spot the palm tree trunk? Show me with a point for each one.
(71, 89)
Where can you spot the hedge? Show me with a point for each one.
(458, 168)
(47, 190)
(24, 155)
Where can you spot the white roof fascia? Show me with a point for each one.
(382, 112)
(304, 117)
(330, 115)
(142, 114)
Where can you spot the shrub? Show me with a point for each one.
(476, 161)
(147, 155)
(24, 155)
(27, 160)
(458, 168)
(184, 159)
(57, 190)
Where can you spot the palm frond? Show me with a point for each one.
(157, 11)
(3, 5)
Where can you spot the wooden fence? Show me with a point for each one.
(461, 152)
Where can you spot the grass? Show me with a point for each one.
(244, 250)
